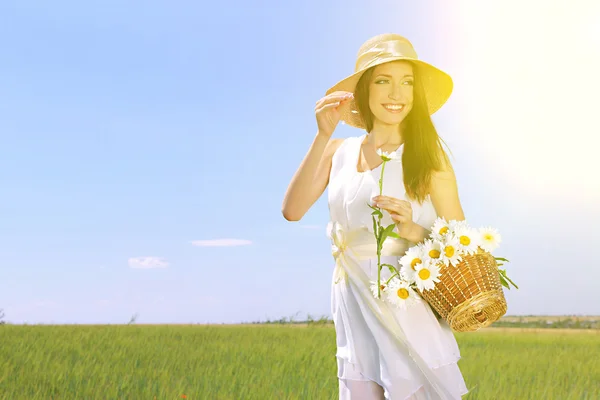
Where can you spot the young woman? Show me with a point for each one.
(383, 351)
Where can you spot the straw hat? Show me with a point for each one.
(392, 47)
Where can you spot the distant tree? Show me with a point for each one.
(2, 322)
(132, 320)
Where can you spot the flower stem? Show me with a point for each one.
(390, 278)
(381, 179)
(379, 232)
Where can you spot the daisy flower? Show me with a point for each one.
(432, 249)
(489, 239)
(401, 294)
(383, 286)
(408, 262)
(454, 225)
(467, 238)
(427, 274)
(440, 229)
(385, 156)
(451, 251)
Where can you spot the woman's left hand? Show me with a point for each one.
(400, 212)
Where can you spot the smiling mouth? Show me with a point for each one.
(393, 107)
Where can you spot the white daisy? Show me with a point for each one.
(401, 294)
(427, 275)
(393, 156)
(411, 258)
(467, 239)
(489, 239)
(451, 254)
(439, 229)
(454, 225)
(432, 249)
(384, 287)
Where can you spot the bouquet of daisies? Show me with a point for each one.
(423, 264)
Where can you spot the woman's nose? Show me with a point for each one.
(395, 93)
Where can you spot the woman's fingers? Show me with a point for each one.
(400, 210)
(328, 106)
(400, 218)
(392, 201)
(334, 97)
(397, 206)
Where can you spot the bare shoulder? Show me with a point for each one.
(324, 168)
(446, 171)
(444, 191)
(326, 160)
(333, 145)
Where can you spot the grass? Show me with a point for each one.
(272, 361)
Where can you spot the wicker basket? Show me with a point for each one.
(469, 295)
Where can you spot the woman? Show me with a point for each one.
(383, 351)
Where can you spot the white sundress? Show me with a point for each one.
(367, 348)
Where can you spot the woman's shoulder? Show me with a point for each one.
(338, 146)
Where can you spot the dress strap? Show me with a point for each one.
(356, 151)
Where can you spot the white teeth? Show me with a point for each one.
(393, 107)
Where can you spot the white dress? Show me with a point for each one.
(366, 349)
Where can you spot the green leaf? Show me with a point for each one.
(503, 282)
(386, 232)
(394, 235)
(505, 277)
(514, 284)
(380, 237)
(375, 227)
(501, 259)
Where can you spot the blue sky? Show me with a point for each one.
(134, 133)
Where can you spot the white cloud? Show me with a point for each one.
(221, 242)
(147, 262)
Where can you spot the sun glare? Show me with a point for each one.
(527, 74)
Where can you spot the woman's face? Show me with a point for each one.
(391, 92)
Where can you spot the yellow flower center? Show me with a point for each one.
(382, 287)
(449, 251)
(424, 274)
(465, 240)
(403, 293)
(488, 237)
(433, 253)
(415, 262)
(444, 230)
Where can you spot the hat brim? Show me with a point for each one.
(437, 85)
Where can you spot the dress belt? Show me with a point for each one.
(361, 242)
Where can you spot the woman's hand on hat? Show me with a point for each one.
(327, 111)
(400, 212)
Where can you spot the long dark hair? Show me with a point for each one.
(423, 152)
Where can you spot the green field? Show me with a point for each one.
(267, 362)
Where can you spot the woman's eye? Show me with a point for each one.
(387, 81)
